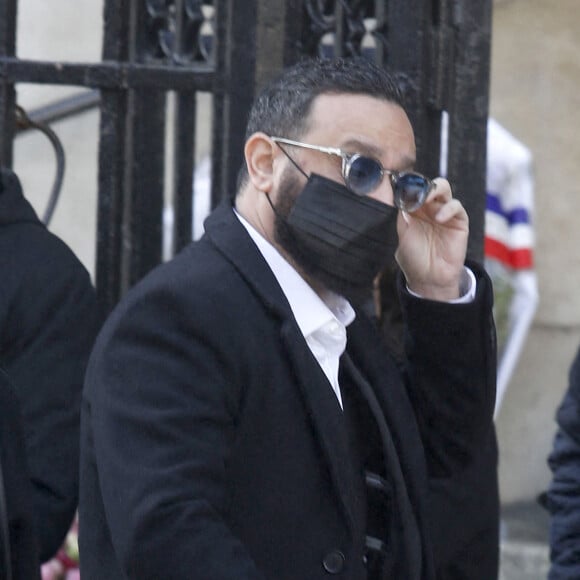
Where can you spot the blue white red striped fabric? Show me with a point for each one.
(509, 234)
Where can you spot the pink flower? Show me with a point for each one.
(52, 570)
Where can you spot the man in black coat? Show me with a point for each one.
(241, 417)
(48, 322)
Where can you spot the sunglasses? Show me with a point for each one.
(363, 175)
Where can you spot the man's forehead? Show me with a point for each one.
(363, 124)
(348, 113)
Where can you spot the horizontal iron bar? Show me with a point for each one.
(64, 108)
(108, 75)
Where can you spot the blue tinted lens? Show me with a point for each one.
(364, 175)
(410, 190)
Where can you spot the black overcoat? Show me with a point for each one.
(209, 441)
(48, 323)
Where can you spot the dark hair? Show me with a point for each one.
(282, 108)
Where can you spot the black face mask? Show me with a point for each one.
(341, 239)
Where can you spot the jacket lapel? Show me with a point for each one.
(326, 415)
(321, 404)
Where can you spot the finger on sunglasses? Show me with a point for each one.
(439, 194)
(452, 210)
(441, 189)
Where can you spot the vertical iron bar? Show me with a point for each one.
(236, 77)
(339, 35)
(272, 17)
(468, 112)
(409, 55)
(293, 25)
(184, 151)
(8, 9)
(112, 159)
(145, 161)
(146, 166)
(381, 11)
(184, 131)
(218, 136)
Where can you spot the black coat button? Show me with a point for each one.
(333, 562)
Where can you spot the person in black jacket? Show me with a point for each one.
(48, 322)
(18, 550)
(242, 419)
(563, 497)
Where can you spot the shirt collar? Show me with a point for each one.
(310, 310)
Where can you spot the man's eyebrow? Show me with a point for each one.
(408, 163)
(358, 146)
(361, 147)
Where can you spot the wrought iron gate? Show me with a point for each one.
(153, 48)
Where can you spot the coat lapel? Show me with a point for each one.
(321, 404)
(326, 415)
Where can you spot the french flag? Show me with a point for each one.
(509, 234)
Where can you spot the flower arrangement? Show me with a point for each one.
(65, 564)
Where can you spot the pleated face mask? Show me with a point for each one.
(342, 239)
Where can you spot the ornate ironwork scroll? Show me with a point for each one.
(342, 27)
(180, 32)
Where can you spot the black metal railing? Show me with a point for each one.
(156, 49)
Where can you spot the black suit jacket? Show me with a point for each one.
(208, 436)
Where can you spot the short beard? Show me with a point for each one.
(288, 191)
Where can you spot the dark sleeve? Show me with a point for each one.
(164, 399)
(450, 365)
(564, 490)
(16, 489)
(47, 337)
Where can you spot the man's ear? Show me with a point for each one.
(259, 154)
